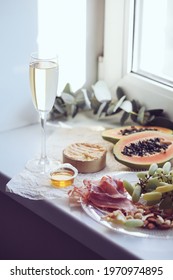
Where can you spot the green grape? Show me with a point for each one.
(136, 193)
(164, 189)
(152, 169)
(151, 184)
(164, 178)
(129, 188)
(169, 177)
(134, 223)
(166, 167)
(142, 175)
(150, 196)
(159, 170)
(164, 184)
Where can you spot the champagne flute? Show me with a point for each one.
(44, 72)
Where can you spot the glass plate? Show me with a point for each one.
(97, 214)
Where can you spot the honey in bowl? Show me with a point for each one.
(63, 176)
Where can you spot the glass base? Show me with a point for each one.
(42, 166)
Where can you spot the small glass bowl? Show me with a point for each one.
(63, 176)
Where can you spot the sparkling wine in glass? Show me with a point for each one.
(43, 72)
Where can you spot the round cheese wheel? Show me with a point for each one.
(86, 157)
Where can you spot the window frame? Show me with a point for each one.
(117, 59)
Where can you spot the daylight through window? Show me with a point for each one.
(153, 40)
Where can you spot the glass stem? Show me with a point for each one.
(43, 159)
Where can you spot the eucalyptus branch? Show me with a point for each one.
(100, 101)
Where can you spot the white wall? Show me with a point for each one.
(113, 41)
(18, 31)
(95, 38)
(18, 34)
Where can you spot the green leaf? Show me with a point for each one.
(87, 96)
(126, 106)
(140, 116)
(67, 88)
(120, 93)
(161, 121)
(74, 110)
(156, 112)
(60, 106)
(124, 118)
(59, 109)
(68, 98)
(136, 108)
(95, 104)
(148, 118)
(102, 108)
(79, 99)
(118, 104)
(101, 91)
(110, 109)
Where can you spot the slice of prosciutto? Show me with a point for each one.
(106, 193)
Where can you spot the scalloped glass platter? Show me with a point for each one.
(97, 214)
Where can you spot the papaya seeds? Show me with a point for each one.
(115, 134)
(140, 150)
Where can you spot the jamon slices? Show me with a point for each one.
(108, 193)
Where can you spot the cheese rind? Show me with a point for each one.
(86, 157)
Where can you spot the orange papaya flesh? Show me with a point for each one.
(140, 150)
(115, 134)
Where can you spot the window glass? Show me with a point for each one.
(153, 40)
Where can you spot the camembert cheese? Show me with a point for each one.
(86, 157)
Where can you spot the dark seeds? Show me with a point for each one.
(145, 147)
(134, 129)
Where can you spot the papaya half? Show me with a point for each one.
(115, 134)
(140, 150)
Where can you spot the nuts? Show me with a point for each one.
(147, 217)
(138, 215)
(168, 222)
(164, 226)
(129, 217)
(151, 226)
(159, 220)
(155, 219)
(152, 217)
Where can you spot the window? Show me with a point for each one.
(136, 56)
(153, 40)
